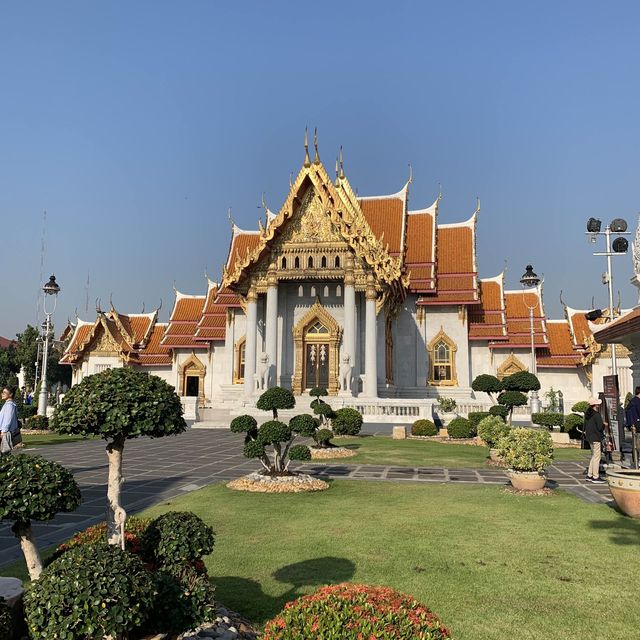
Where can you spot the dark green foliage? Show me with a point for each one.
(461, 428)
(323, 437)
(317, 392)
(273, 432)
(580, 406)
(487, 384)
(322, 408)
(276, 398)
(33, 488)
(573, 425)
(6, 620)
(548, 419)
(491, 429)
(299, 452)
(243, 424)
(424, 428)
(347, 422)
(521, 381)
(304, 425)
(499, 410)
(512, 398)
(40, 423)
(28, 412)
(176, 540)
(120, 403)
(476, 417)
(89, 592)
(254, 449)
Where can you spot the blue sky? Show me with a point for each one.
(135, 125)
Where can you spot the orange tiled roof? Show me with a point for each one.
(80, 336)
(621, 327)
(213, 323)
(560, 352)
(242, 242)
(578, 327)
(421, 242)
(183, 323)
(385, 215)
(154, 354)
(487, 321)
(518, 323)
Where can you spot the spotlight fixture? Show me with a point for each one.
(618, 225)
(594, 225)
(591, 316)
(620, 245)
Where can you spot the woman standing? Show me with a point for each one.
(8, 421)
(594, 435)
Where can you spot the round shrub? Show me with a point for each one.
(424, 428)
(175, 540)
(253, 449)
(318, 392)
(487, 384)
(549, 419)
(475, 417)
(323, 437)
(322, 408)
(355, 612)
(499, 410)
(521, 381)
(304, 425)
(573, 425)
(244, 424)
(347, 422)
(512, 399)
(273, 432)
(6, 620)
(89, 592)
(299, 452)
(40, 423)
(580, 407)
(461, 428)
(491, 429)
(526, 449)
(276, 398)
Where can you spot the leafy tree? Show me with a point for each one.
(521, 381)
(34, 488)
(27, 353)
(487, 384)
(9, 366)
(511, 399)
(276, 398)
(118, 405)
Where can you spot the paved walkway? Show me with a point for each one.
(161, 469)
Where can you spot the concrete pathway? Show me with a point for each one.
(158, 470)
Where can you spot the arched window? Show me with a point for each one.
(296, 262)
(323, 262)
(284, 263)
(239, 361)
(310, 262)
(338, 291)
(442, 360)
(313, 292)
(326, 291)
(337, 262)
(300, 291)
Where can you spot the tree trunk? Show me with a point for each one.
(28, 545)
(115, 512)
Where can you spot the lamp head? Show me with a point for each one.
(51, 288)
(529, 278)
(620, 245)
(594, 225)
(618, 225)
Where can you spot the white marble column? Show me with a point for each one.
(349, 342)
(370, 363)
(250, 343)
(271, 346)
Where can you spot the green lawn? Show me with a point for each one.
(383, 450)
(41, 439)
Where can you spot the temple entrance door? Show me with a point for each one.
(316, 369)
(193, 386)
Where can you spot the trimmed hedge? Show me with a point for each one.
(355, 612)
(304, 425)
(347, 422)
(41, 423)
(521, 381)
(323, 437)
(461, 428)
(580, 407)
(499, 410)
(424, 428)
(476, 417)
(549, 419)
(573, 425)
(299, 452)
(276, 398)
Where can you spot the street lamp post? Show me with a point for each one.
(51, 288)
(530, 280)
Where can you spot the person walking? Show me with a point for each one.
(594, 435)
(9, 428)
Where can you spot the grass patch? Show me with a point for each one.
(383, 450)
(42, 439)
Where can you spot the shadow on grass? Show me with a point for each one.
(623, 530)
(240, 593)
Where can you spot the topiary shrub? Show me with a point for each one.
(117, 405)
(304, 425)
(91, 591)
(461, 428)
(33, 488)
(424, 428)
(526, 449)
(324, 410)
(499, 410)
(573, 425)
(318, 392)
(244, 424)
(176, 540)
(355, 612)
(580, 407)
(548, 419)
(300, 453)
(275, 399)
(347, 422)
(491, 429)
(323, 438)
(475, 417)
(511, 399)
(521, 381)
(487, 384)
(7, 628)
(41, 423)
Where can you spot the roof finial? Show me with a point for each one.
(341, 165)
(142, 307)
(307, 160)
(477, 205)
(316, 158)
(159, 306)
(410, 180)
(562, 302)
(175, 288)
(229, 217)
(439, 191)
(290, 179)
(504, 269)
(337, 182)
(111, 302)
(98, 308)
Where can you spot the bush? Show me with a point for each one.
(461, 428)
(521, 381)
(499, 410)
(89, 592)
(317, 392)
(27, 411)
(244, 424)
(347, 422)
(526, 449)
(276, 398)
(355, 612)
(447, 405)
(299, 452)
(511, 399)
(273, 432)
(176, 540)
(304, 425)
(573, 425)
(424, 428)
(548, 419)
(323, 438)
(491, 429)
(475, 417)
(41, 423)
(580, 407)
(487, 384)
(323, 409)
(6, 620)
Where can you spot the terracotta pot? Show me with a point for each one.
(624, 485)
(493, 454)
(527, 480)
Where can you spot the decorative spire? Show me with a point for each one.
(337, 182)
(477, 205)
(307, 160)
(439, 191)
(316, 158)
(142, 307)
(410, 180)
(230, 218)
(290, 179)
(341, 165)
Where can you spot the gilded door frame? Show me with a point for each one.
(316, 313)
(192, 366)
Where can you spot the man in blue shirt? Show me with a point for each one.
(8, 420)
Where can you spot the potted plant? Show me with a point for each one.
(446, 413)
(527, 454)
(624, 485)
(491, 429)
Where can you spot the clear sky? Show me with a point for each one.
(135, 125)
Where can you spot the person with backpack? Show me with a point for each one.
(594, 435)
(9, 425)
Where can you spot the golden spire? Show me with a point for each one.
(307, 160)
(290, 179)
(316, 158)
(337, 182)
(341, 165)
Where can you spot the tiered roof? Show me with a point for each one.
(561, 351)
(420, 257)
(387, 216)
(183, 323)
(213, 322)
(488, 320)
(517, 305)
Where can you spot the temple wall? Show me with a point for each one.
(571, 381)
